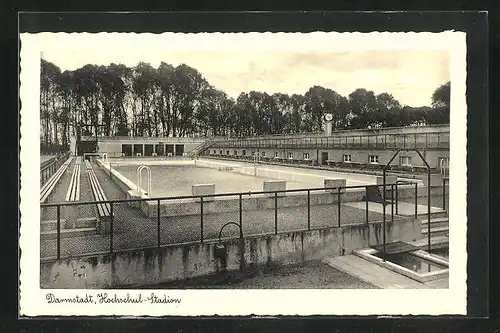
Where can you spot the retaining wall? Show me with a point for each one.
(152, 266)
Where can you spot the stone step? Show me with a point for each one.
(436, 222)
(67, 233)
(434, 215)
(51, 225)
(436, 231)
(87, 222)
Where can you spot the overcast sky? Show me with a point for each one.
(411, 76)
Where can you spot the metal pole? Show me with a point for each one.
(383, 217)
(416, 198)
(308, 209)
(201, 219)
(366, 204)
(444, 193)
(58, 232)
(428, 209)
(158, 222)
(111, 229)
(275, 212)
(338, 204)
(397, 200)
(392, 202)
(241, 214)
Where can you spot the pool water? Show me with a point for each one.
(411, 262)
(177, 180)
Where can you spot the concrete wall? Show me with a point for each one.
(189, 207)
(152, 266)
(114, 146)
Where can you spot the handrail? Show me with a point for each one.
(230, 194)
(336, 191)
(323, 136)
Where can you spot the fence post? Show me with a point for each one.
(366, 204)
(416, 198)
(338, 204)
(308, 209)
(397, 199)
(58, 232)
(275, 213)
(201, 219)
(392, 202)
(158, 222)
(241, 212)
(444, 193)
(111, 229)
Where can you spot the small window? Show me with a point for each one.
(227, 152)
(306, 156)
(347, 158)
(374, 159)
(405, 160)
(290, 155)
(276, 155)
(235, 152)
(220, 152)
(244, 152)
(263, 154)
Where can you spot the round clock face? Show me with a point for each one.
(328, 117)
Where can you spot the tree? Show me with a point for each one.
(49, 112)
(440, 113)
(386, 113)
(179, 101)
(362, 105)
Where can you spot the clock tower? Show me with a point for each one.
(328, 124)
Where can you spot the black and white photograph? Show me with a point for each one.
(236, 174)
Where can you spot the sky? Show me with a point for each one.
(411, 76)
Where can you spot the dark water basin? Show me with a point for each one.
(412, 262)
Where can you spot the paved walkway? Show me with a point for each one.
(372, 273)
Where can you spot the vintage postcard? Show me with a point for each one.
(243, 174)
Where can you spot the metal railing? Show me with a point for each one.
(159, 229)
(434, 140)
(48, 170)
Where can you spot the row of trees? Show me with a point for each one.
(179, 101)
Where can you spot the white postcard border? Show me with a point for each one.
(245, 302)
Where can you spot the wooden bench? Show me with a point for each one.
(49, 186)
(73, 193)
(103, 209)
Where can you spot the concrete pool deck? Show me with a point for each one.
(383, 278)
